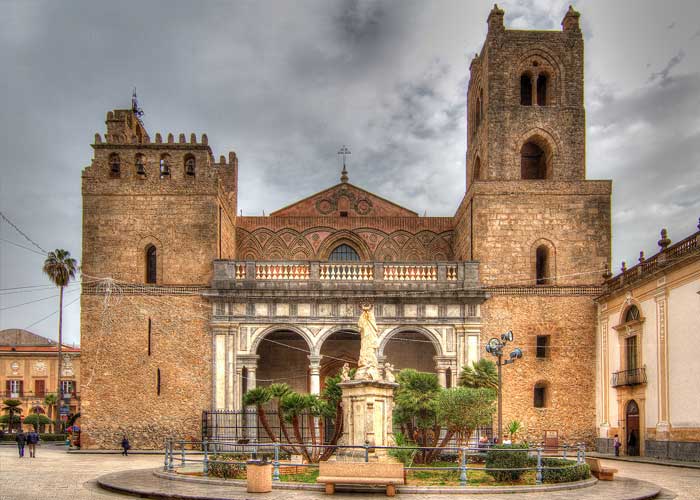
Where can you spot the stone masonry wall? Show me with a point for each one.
(568, 370)
(119, 379)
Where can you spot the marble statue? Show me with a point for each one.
(345, 373)
(389, 373)
(367, 365)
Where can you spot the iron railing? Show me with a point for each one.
(206, 452)
(636, 376)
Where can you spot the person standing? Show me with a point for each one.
(32, 440)
(125, 446)
(616, 444)
(21, 439)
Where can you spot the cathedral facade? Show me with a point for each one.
(186, 305)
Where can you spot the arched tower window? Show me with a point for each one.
(526, 89)
(542, 82)
(189, 165)
(164, 165)
(139, 162)
(344, 253)
(151, 264)
(114, 165)
(542, 265)
(533, 161)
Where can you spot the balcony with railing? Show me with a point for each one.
(305, 275)
(636, 376)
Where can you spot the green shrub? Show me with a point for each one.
(405, 456)
(42, 437)
(570, 471)
(218, 466)
(516, 457)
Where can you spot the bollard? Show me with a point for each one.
(539, 466)
(167, 447)
(276, 463)
(205, 462)
(463, 468)
(566, 449)
(182, 451)
(171, 466)
(366, 451)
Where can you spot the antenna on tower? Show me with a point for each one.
(135, 105)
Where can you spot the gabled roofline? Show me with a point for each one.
(276, 212)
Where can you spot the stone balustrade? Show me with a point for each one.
(238, 274)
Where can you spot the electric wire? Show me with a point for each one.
(4, 217)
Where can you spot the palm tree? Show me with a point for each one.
(482, 374)
(258, 397)
(51, 400)
(13, 409)
(60, 267)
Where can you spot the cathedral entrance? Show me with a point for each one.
(632, 421)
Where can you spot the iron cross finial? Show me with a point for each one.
(344, 174)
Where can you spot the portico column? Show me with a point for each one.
(442, 378)
(315, 374)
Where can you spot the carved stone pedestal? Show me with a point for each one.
(367, 416)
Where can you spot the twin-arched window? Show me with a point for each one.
(164, 165)
(344, 253)
(534, 90)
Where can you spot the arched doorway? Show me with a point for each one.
(409, 349)
(632, 425)
(338, 348)
(284, 358)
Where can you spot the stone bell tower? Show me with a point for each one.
(538, 228)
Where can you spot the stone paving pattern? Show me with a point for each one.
(57, 475)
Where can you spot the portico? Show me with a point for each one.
(295, 322)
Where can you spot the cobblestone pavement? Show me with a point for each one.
(58, 475)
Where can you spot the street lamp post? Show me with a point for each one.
(495, 348)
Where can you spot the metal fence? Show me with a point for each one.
(204, 453)
(243, 427)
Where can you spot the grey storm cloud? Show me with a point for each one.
(285, 84)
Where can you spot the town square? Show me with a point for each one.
(350, 248)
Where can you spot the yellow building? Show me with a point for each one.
(648, 364)
(29, 372)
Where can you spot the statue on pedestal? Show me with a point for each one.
(367, 365)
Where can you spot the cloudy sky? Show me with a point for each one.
(285, 84)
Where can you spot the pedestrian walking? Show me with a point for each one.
(616, 444)
(21, 439)
(32, 440)
(126, 446)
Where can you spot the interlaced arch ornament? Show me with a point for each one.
(344, 253)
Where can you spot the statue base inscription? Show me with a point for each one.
(367, 415)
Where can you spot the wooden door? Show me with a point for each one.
(633, 436)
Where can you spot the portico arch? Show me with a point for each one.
(387, 335)
(282, 357)
(411, 347)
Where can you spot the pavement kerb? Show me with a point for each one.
(646, 460)
(105, 483)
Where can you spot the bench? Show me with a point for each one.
(602, 473)
(371, 473)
